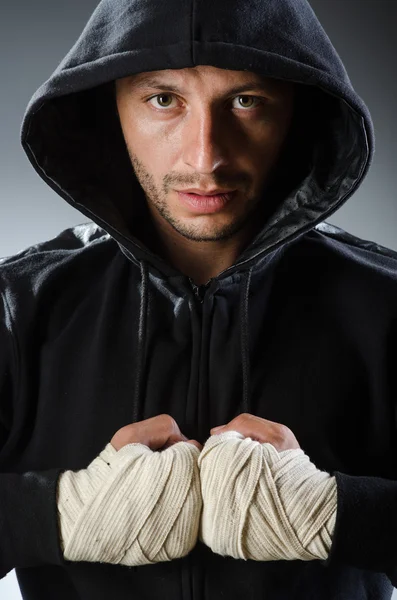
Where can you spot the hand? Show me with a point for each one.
(110, 511)
(261, 430)
(158, 433)
(263, 501)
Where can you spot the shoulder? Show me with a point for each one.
(72, 239)
(85, 240)
(78, 252)
(355, 253)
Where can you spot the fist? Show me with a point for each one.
(261, 430)
(158, 433)
(231, 474)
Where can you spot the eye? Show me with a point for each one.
(164, 101)
(247, 101)
(160, 98)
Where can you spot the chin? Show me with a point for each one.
(208, 233)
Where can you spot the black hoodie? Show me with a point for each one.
(97, 331)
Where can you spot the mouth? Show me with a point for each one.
(206, 203)
(199, 192)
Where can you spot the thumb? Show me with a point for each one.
(195, 443)
(174, 439)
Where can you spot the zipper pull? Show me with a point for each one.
(199, 290)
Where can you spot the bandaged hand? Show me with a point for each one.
(261, 503)
(131, 507)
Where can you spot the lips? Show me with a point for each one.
(205, 204)
(214, 192)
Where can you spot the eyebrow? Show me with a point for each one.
(238, 89)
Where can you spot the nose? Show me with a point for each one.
(205, 144)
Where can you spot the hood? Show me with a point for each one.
(72, 136)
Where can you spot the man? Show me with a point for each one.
(208, 142)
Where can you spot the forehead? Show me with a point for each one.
(207, 74)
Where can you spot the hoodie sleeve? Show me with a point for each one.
(28, 514)
(365, 534)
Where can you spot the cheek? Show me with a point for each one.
(273, 140)
(152, 140)
(262, 133)
(261, 149)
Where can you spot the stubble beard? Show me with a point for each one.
(154, 197)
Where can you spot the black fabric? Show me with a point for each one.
(97, 331)
(28, 504)
(369, 551)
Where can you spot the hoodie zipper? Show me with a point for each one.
(199, 290)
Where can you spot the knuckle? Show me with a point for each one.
(170, 422)
(244, 416)
(126, 429)
(284, 432)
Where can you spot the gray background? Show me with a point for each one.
(36, 34)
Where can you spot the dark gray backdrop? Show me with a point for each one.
(36, 34)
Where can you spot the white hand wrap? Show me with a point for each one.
(131, 507)
(262, 504)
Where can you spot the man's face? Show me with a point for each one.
(204, 128)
